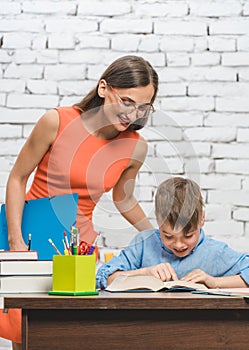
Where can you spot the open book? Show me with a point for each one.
(139, 283)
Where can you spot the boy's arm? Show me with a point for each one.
(199, 276)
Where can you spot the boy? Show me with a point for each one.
(179, 249)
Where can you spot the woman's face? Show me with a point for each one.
(128, 105)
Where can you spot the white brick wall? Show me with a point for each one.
(52, 52)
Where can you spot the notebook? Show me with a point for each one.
(44, 218)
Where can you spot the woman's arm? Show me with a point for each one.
(35, 147)
(123, 196)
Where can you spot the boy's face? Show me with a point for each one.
(180, 243)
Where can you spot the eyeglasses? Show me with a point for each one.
(143, 110)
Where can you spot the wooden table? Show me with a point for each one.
(130, 321)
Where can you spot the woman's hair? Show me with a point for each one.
(179, 202)
(125, 72)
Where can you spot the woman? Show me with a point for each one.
(89, 148)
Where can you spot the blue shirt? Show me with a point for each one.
(146, 249)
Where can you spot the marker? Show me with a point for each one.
(29, 241)
(54, 246)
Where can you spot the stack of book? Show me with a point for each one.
(22, 272)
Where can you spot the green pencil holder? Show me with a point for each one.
(74, 274)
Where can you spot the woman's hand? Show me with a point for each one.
(18, 244)
(199, 276)
(163, 271)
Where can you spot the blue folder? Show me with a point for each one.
(44, 218)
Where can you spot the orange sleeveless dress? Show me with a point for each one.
(77, 162)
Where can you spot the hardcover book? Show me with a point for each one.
(139, 283)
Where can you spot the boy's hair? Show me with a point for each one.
(179, 201)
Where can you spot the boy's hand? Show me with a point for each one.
(163, 271)
(199, 276)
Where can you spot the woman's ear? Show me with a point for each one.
(102, 88)
(202, 218)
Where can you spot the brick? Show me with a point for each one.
(229, 26)
(183, 149)
(27, 130)
(81, 57)
(239, 243)
(243, 74)
(171, 74)
(7, 162)
(138, 26)
(234, 197)
(12, 85)
(232, 166)
(20, 116)
(169, 9)
(243, 43)
(216, 212)
(241, 214)
(57, 41)
(65, 72)
(79, 88)
(6, 56)
(177, 60)
(199, 165)
(235, 59)
(69, 25)
(16, 40)
(92, 41)
(230, 151)
(232, 104)
(215, 8)
(23, 71)
(188, 103)
(24, 56)
(205, 59)
(2, 99)
(243, 135)
(176, 44)
(224, 228)
(125, 42)
(200, 44)
(246, 9)
(227, 119)
(47, 56)
(148, 43)
(221, 44)
(42, 86)
(49, 8)
(162, 133)
(176, 27)
(39, 41)
(10, 8)
(11, 147)
(29, 101)
(106, 8)
(162, 165)
(209, 134)
(245, 183)
(69, 100)
(220, 182)
(181, 119)
(21, 25)
(171, 89)
(10, 131)
(217, 89)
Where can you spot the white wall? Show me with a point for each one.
(52, 52)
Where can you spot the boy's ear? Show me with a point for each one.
(202, 218)
(102, 88)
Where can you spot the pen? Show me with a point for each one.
(65, 248)
(54, 246)
(29, 241)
